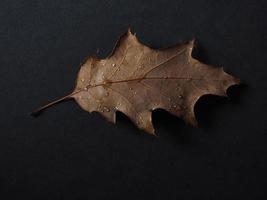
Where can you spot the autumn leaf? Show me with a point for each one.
(135, 80)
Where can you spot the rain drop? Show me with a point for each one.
(139, 120)
(106, 109)
(113, 65)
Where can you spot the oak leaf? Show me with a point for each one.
(136, 79)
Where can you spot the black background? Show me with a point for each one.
(67, 153)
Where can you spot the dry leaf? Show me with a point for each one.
(136, 80)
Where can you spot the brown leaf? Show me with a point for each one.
(136, 80)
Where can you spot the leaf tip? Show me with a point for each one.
(151, 132)
(192, 41)
(129, 31)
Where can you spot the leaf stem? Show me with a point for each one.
(40, 109)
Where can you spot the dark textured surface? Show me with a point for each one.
(67, 153)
